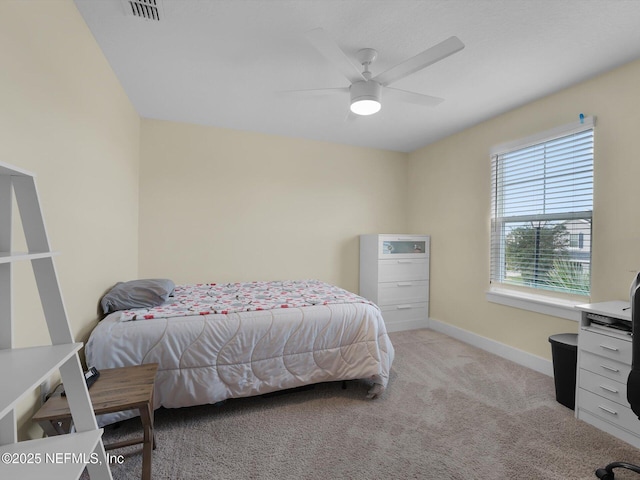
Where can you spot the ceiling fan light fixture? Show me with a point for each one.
(365, 97)
(365, 107)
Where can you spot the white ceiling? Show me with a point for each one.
(224, 62)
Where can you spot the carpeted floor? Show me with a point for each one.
(451, 411)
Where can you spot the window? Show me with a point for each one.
(542, 203)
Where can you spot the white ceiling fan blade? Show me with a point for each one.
(430, 56)
(332, 52)
(315, 92)
(411, 97)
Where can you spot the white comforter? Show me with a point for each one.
(209, 358)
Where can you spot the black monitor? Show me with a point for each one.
(633, 382)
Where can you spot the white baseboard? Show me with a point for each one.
(516, 355)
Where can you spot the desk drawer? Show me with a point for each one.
(612, 412)
(605, 345)
(393, 293)
(604, 366)
(605, 387)
(403, 270)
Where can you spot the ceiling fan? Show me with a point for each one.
(366, 90)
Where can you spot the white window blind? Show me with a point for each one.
(542, 203)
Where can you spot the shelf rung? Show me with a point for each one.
(11, 170)
(8, 257)
(57, 457)
(24, 369)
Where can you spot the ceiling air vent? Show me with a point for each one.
(147, 9)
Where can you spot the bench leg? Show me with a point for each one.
(51, 428)
(146, 414)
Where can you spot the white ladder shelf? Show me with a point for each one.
(22, 370)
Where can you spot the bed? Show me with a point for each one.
(219, 341)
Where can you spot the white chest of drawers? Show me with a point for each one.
(394, 274)
(604, 363)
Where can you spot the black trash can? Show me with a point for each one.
(564, 351)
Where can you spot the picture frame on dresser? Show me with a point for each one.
(394, 274)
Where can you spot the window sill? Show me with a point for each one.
(556, 307)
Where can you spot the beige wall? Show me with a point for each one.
(449, 197)
(223, 205)
(65, 117)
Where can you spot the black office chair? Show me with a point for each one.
(633, 382)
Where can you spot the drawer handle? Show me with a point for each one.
(611, 369)
(608, 389)
(609, 347)
(608, 410)
(405, 261)
(405, 284)
(404, 307)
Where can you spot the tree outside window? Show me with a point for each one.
(538, 254)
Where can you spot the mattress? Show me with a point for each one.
(325, 334)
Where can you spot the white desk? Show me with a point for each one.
(604, 363)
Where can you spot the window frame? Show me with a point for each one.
(530, 298)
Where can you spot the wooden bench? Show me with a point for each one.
(116, 390)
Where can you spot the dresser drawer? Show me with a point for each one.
(608, 346)
(403, 270)
(403, 246)
(405, 312)
(612, 412)
(605, 387)
(604, 366)
(392, 293)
